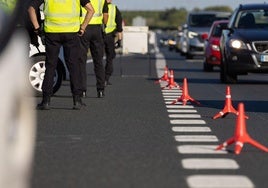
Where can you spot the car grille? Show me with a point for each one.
(261, 47)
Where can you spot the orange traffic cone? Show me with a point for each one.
(171, 83)
(228, 108)
(241, 136)
(185, 95)
(164, 77)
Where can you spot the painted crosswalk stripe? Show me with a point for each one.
(187, 121)
(172, 93)
(200, 149)
(171, 90)
(196, 138)
(181, 111)
(209, 163)
(184, 116)
(171, 96)
(179, 106)
(191, 129)
(219, 181)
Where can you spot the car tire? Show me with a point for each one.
(37, 72)
(207, 67)
(226, 77)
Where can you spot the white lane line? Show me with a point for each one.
(184, 116)
(187, 121)
(171, 100)
(219, 181)
(171, 94)
(200, 149)
(181, 111)
(171, 97)
(196, 138)
(191, 129)
(171, 90)
(179, 106)
(209, 163)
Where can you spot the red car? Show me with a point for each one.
(212, 48)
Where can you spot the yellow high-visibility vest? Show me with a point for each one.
(98, 15)
(111, 24)
(62, 16)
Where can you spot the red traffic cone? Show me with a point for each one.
(164, 77)
(171, 83)
(241, 136)
(185, 95)
(228, 108)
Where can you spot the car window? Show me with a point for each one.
(218, 29)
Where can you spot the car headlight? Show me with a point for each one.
(237, 44)
(215, 47)
(192, 34)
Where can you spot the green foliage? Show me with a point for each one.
(167, 19)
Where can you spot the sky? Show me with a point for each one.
(188, 4)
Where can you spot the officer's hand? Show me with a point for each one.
(118, 44)
(39, 32)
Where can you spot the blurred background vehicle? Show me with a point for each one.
(212, 45)
(196, 30)
(244, 44)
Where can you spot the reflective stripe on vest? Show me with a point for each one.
(97, 17)
(62, 16)
(111, 24)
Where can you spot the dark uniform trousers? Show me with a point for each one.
(71, 49)
(93, 40)
(110, 54)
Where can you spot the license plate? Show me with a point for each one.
(264, 58)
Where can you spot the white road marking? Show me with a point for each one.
(184, 116)
(181, 111)
(187, 121)
(191, 129)
(209, 163)
(219, 181)
(179, 106)
(200, 149)
(171, 94)
(196, 138)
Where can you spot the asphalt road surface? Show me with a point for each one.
(135, 137)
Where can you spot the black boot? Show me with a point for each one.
(78, 104)
(100, 93)
(45, 104)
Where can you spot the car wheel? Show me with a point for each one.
(207, 67)
(226, 77)
(37, 73)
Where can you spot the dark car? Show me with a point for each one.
(212, 45)
(244, 44)
(197, 26)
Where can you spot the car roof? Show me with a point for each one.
(208, 12)
(220, 21)
(253, 6)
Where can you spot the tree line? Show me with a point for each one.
(166, 19)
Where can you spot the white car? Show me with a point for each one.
(37, 69)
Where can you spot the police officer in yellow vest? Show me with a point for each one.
(113, 28)
(61, 27)
(93, 40)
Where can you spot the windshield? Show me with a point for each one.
(252, 19)
(204, 20)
